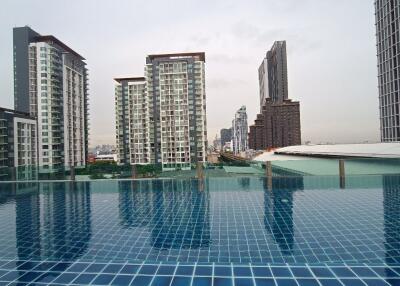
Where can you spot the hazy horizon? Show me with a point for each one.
(331, 55)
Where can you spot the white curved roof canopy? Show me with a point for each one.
(377, 150)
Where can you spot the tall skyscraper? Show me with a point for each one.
(278, 124)
(239, 131)
(388, 47)
(165, 112)
(50, 83)
(272, 74)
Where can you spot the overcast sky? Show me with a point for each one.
(330, 43)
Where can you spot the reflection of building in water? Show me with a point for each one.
(391, 203)
(27, 209)
(66, 219)
(244, 183)
(7, 192)
(176, 211)
(278, 210)
(53, 223)
(135, 202)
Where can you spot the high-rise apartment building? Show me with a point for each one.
(239, 131)
(388, 48)
(17, 144)
(165, 112)
(50, 83)
(278, 124)
(132, 117)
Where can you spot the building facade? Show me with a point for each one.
(281, 123)
(239, 131)
(226, 135)
(17, 144)
(388, 47)
(50, 83)
(256, 134)
(165, 112)
(273, 75)
(132, 118)
(278, 124)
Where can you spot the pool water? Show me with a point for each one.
(220, 231)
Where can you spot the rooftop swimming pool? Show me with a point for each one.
(218, 231)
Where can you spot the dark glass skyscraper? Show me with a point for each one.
(273, 75)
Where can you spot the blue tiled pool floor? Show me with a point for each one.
(221, 231)
(83, 273)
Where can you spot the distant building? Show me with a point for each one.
(103, 149)
(161, 118)
(226, 135)
(273, 75)
(388, 42)
(50, 83)
(17, 142)
(227, 147)
(217, 143)
(106, 157)
(257, 134)
(239, 131)
(278, 124)
(281, 123)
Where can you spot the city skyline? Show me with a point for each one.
(347, 73)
